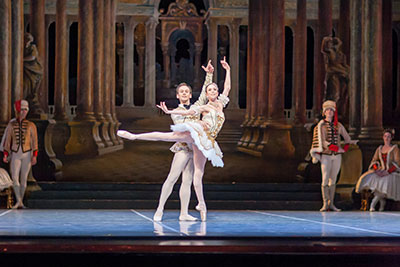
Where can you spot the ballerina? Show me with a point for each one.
(199, 134)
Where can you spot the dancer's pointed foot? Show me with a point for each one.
(203, 212)
(187, 217)
(158, 216)
(16, 206)
(126, 135)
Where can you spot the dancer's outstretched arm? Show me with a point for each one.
(182, 112)
(227, 84)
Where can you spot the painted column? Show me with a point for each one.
(234, 63)
(17, 45)
(371, 81)
(198, 47)
(249, 116)
(150, 80)
(355, 67)
(108, 30)
(38, 31)
(167, 65)
(5, 63)
(61, 65)
(300, 63)
(344, 27)
(84, 138)
(387, 62)
(279, 144)
(213, 44)
(128, 62)
(324, 29)
(115, 123)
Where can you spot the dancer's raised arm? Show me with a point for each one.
(227, 84)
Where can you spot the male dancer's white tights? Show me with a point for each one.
(20, 166)
(181, 163)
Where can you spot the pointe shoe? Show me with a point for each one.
(333, 207)
(203, 212)
(158, 216)
(16, 206)
(372, 209)
(187, 217)
(22, 206)
(126, 135)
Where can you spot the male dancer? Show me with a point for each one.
(21, 144)
(183, 158)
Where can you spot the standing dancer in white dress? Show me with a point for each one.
(182, 162)
(199, 134)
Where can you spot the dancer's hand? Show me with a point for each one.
(354, 142)
(209, 68)
(164, 108)
(34, 160)
(225, 64)
(205, 125)
(5, 160)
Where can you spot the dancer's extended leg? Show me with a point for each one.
(199, 161)
(158, 136)
(178, 164)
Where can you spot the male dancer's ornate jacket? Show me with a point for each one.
(326, 139)
(21, 134)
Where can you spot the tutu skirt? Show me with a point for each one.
(203, 141)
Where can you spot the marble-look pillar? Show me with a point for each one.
(212, 27)
(17, 50)
(324, 29)
(387, 62)
(61, 65)
(279, 143)
(5, 63)
(150, 81)
(38, 30)
(250, 92)
(371, 80)
(107, 30)
(300, 64)
(263, 76)
(355, 67)
(234, 62)
(84, 139)
(115, 123)
(167, 65)
(198, 47)
(129, 46)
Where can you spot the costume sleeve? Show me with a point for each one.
(34, 139)
(203, 98)
(396, 160)
(223, 99)
(344, 133)
(8, 139)
(196, 110)
(375, 162)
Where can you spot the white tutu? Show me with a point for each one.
(388, 185)
(5, 180)
(206, 144)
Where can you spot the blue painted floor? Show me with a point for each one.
(139, 223)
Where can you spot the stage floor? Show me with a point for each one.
(139, 223)
(225, 231)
